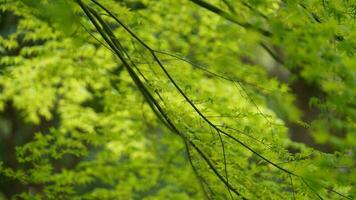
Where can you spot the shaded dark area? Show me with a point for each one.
(16, 132)
(304, 92)
(8, 23)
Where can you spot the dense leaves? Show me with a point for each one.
(177, 99)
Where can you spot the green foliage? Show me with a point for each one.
(178, 100)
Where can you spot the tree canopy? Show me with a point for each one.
(191, 99)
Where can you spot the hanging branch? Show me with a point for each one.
(245, 25)
(229, 17)
(110, 39)
(183, 94)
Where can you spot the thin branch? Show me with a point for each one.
(110, 38)
(229, 17)
(205, 69)
(200, 178)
